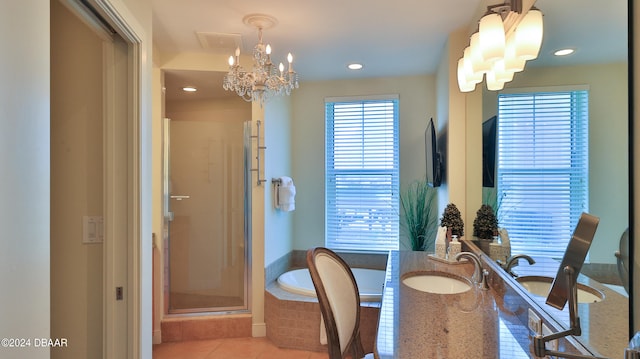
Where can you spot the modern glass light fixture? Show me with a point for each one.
(492, 37)
(506, 39)
(265, 80)
(464, 84)
(478, 64)
(493, 84)
(529, 35)
(512, 62)
(471, 76)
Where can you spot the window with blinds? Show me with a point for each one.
(542, 168)
(361, 169)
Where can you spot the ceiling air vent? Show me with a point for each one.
(219, 42)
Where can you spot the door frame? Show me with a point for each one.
(128, 257)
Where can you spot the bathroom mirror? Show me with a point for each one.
(599, 35)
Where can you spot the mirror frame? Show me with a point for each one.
(632, 115)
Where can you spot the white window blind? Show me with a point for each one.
(542, 168)
(362, 165)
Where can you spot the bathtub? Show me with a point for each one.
(370, 283)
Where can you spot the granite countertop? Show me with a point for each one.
(605, 324)
(473, 324)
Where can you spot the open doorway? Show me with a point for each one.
(96, 180)
(206, 151)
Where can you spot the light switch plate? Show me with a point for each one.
(92, 229)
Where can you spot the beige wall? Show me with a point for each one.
(459, 114)
(442, 118)
(417, 106)
(76, 184)
(258, 203)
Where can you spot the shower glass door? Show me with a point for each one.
(205, 201)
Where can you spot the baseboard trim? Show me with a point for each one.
(259, 330)
(157, 337)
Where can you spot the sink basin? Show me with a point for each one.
(541, 286)
(437, 283)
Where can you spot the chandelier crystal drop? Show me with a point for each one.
(264, 81)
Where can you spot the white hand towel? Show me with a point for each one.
(286, 194)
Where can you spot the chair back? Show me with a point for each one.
(339, 301)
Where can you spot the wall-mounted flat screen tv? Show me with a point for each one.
(434, 161)
(489, 128)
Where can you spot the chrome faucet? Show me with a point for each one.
(513, 260)
(479, 274)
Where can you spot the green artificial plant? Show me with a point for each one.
(419, 215)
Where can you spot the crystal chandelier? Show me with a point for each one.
(264, 80)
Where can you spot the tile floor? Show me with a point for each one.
(232, 348)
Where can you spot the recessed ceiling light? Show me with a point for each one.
(564, 52)
(189, 89)
(355, 66)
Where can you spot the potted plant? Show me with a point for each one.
(418, 215)
(452, 219)
(485, 225)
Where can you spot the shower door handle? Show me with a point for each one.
(179, 198)
(169, 214)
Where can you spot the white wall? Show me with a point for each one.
(24, 159)
(278, 225)
(417, 106)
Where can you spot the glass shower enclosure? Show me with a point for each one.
(206, 204)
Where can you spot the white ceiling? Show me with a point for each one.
(391, 38)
